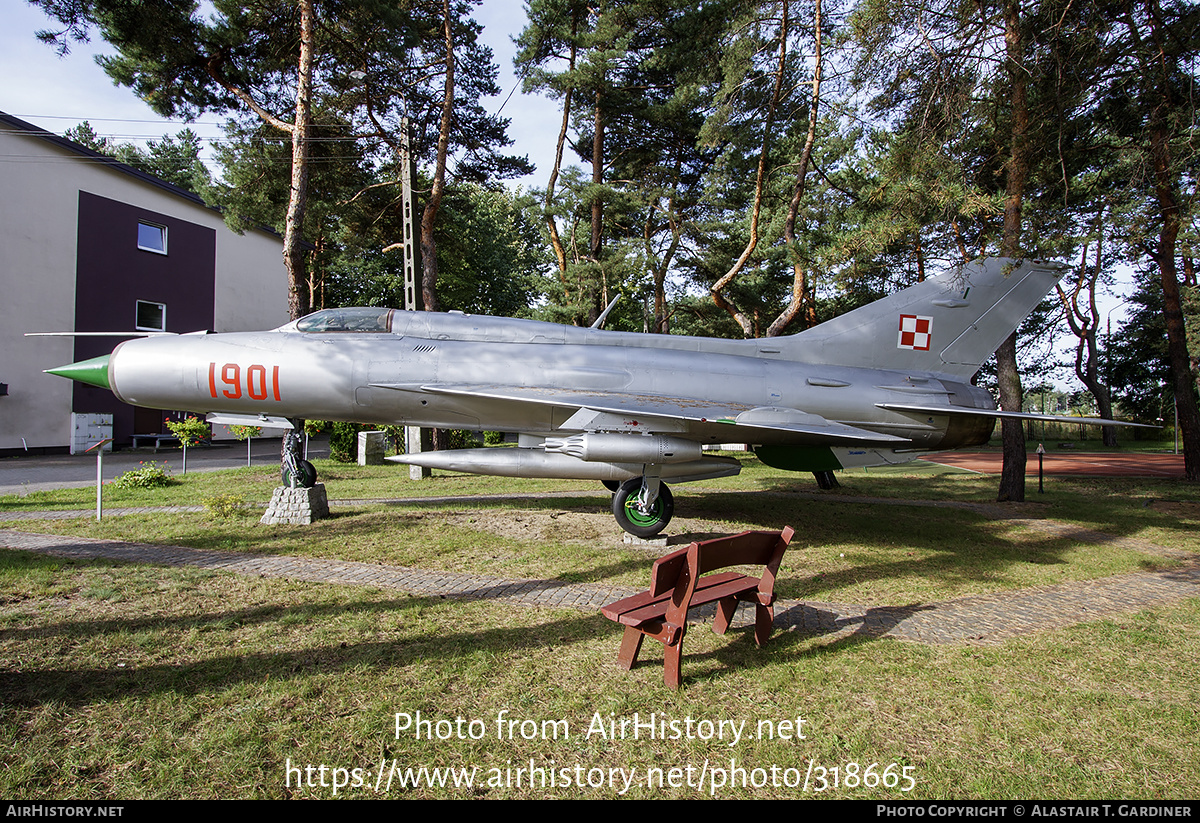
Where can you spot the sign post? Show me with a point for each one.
(99, 450)
(1041, 452)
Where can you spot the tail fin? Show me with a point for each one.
(949, 324)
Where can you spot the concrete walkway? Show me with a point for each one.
(977, 619)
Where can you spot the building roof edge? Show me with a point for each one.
(111, 162)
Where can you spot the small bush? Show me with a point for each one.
(343, 441)
(225, 506)
(147, 476)
(459, 438)
(493, 438)
(191, 431)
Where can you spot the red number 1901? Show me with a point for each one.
(230, 377)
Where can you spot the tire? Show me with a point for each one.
(611, 485)
(307, 478)
(625, 509)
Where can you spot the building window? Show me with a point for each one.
(152, 238)
(151, 316)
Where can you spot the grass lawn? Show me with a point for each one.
(128, 681)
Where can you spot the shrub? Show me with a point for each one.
(146, 476)
(190, 431)
(224, 506)
(245, 432)
(343, 441)
(460, 438)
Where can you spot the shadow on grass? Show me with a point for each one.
(948, 546)
(74, 687)
(840, 544)
(531, 500)
(811, 624)
(223, 620)
(77, 686)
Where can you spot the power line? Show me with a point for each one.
(186, 124)
(114, 119)
(282, 138)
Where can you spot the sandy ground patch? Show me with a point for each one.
(572, 526)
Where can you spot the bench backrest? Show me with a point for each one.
(686, 565)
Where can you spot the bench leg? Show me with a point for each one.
(764, 622)
(631, 644)
(672, 658)
(726, 608)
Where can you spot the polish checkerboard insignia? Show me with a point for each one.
(916, 332)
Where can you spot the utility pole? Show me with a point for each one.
(416, 439)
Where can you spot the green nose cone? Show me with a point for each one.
(94, 372)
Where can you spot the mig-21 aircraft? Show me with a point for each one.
(878, 385)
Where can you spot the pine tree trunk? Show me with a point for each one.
(1177, 352)
(1012, 476)
(293, 254)
(429, 215)
(748, 324)
(1165, 183)
(800, 265)
(560, 253)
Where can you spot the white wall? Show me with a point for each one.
(39, 197)
(252, 283)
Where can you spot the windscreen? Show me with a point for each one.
(346, 320)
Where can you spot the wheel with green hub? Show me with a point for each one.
(632, 519)
(306, 476)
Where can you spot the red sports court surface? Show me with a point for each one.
(1094, 464)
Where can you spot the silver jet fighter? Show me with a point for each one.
(878, 385)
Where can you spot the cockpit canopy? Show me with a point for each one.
(362, 319)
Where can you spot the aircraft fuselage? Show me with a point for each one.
(407, 378)
(877, 385)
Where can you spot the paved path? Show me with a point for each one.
(551, 593)
(984, 618)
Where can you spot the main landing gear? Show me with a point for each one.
(643, 506)
(297, 473)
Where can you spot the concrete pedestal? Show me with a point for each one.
(645, 542)
(297, 506)
(417, 440)
(371, 448)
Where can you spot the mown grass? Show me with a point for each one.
(125, 681)
(867, 542)
(346, 481)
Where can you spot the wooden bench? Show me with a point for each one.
(677, 584)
